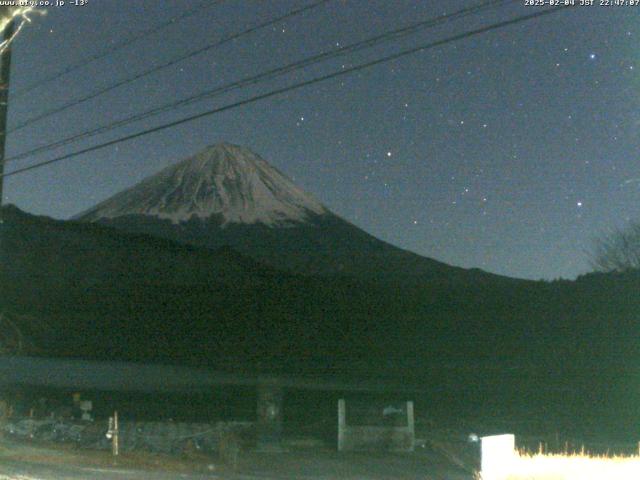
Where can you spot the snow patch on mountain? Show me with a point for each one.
(225, 180)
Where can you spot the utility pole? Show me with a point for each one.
(5, 72)
(5, 69)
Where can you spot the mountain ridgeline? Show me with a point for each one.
(229, 196)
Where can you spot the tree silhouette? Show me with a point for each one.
(618, 251)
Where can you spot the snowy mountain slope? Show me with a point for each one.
(229, 196)
(224, 180)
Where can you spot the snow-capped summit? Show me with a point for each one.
(224, 181)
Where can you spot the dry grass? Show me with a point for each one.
(580, 466)
(60, 454)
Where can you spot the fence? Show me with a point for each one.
(389, 428)
(160, 437)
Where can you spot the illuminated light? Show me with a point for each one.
(500, 461)
(572, 467)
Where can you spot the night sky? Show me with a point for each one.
(509, 151)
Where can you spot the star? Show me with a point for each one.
(592, 56)
(388, 154)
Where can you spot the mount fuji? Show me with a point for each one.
(225, 182)
(227, 195)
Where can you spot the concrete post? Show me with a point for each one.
(411, 425)
(342, 423)
(269, 417)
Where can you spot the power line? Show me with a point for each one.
(270, 74)
(117, 46)
(162, 66)
(296, 86)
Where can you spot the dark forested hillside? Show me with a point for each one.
(106, 294)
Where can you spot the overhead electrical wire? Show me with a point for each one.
(162, 66)
(270, 74)
(296, 86)
(118, 46)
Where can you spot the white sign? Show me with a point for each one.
(498, 454)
